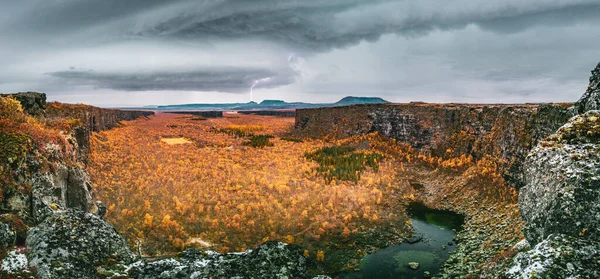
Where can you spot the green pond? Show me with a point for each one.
(434, 242)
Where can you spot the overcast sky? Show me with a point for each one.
(149, 52)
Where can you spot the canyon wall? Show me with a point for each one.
(47, 198)
(506, 132)
(49, 175)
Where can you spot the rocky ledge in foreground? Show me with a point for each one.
(71, 244)
(74, 244)
(560, 204)
(270, 260)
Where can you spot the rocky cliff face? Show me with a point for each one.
(506, 132)
(560, 203)
(46, 188)
(591, 99)
(562, 182)
(92, 119)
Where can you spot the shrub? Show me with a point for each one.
(259, 141)
(11, 108)
(343, 163)
(291, 139)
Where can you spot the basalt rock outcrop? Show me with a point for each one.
(47, 189)
(32, 102)
(72, 244)
(270, 260)
(562, 192)
(560, 201)
(558, 256)
(66, 187)
(591, 98)
(91, 119)
(560, 204)
(506, 132)
(7, 236)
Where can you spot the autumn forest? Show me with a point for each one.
(175, 181)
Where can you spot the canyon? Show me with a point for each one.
(548, 152)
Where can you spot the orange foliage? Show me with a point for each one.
(230, 195)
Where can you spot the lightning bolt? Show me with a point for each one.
(257, 82)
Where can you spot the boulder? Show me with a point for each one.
(413, 265)
(71, 244)
(558, 256)
(591, 99)
(270, 260)
(561, 194)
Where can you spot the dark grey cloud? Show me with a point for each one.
(312, 50)
(232, 80)
(313, 25)
(322, 25)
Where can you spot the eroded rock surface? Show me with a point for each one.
(559, 256)
(270, 260)
(7, 236)
(560, 204)
(71, 244)
(591, 99)
(563, 182)
(506, 132)
(66, 187)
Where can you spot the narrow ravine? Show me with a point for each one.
(419, 257)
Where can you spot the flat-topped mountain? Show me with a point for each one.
(271, 105)
(350, 100)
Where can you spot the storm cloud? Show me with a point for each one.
(310, 50)
(221, 80)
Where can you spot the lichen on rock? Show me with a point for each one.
(269, 260)
(563, 181)
(70, 244)
(560, 204)
(558, 256)
(7, 237)
(591, 98)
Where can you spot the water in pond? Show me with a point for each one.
(433, 227)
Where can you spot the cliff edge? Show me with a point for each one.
(560, 201)
(560, 204)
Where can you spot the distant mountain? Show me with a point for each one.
(350, 100)
(267, 105)
(273, 103)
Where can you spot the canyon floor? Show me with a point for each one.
(175, 181)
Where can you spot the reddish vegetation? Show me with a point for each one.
(21, 134)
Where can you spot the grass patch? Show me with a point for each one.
(200, 118)
(173, 141)
(292, 139)
(343, 162)
(259, 141)
(239, 131)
